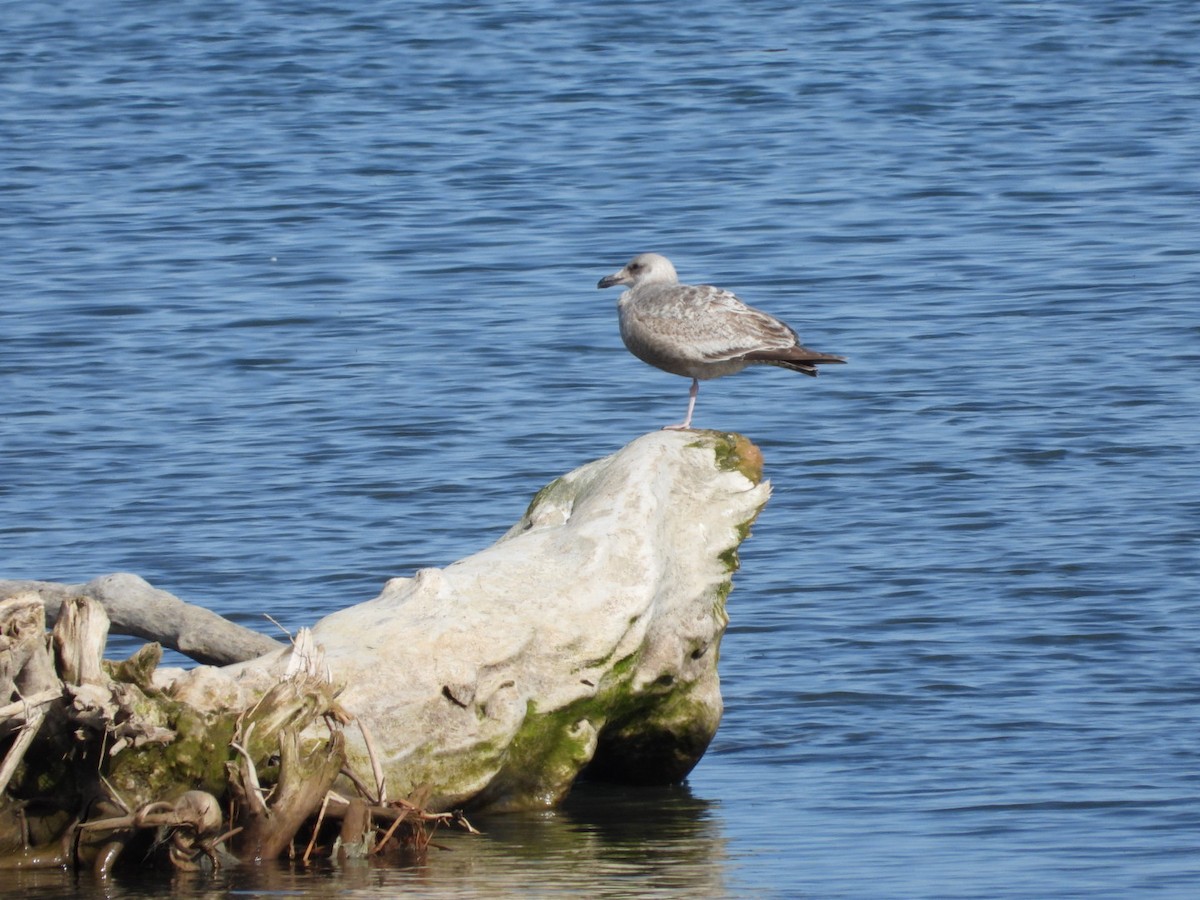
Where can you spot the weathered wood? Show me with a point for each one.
(79, 638)
(22, 645)
(122, 750)
(24, 717)
(304, 780)
(38, 674)
(26, 672)
(17, 713)
(16, 752)
(137, 609)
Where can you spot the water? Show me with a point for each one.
(296, 298)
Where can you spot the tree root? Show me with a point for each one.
(191, 826)
(85, 726)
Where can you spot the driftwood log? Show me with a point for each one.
(137, 609)
(583, 643)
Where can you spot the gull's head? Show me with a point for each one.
(645, 268)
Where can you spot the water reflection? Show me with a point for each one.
(606, 841)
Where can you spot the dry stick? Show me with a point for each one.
(271, 619)
(387, 836)
(113, 795)
(359, 784)
(254, 788)
(460, 819)
(17, 751)
(252, 783)
(320, 818)
(376, 769)
(21, 708)
(139, 609)
(104, 752)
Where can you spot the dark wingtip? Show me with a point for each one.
(807, 362)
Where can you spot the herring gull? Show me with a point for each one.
(700, 331)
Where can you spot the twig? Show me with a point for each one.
(254, 787)
(316, 828)
(358, 783)
(113, 795)
(376, 769)
(461, 820)
(272, 620)
(387, 836)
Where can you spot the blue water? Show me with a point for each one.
(298, 297)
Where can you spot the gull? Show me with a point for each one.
(700, 331)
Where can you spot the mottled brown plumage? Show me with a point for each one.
(700, 331)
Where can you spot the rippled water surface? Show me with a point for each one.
(298, 297)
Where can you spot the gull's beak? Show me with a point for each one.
(615, 278)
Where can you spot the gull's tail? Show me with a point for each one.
(798, 359)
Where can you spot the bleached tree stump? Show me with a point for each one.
(584, 641)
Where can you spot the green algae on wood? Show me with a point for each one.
(734, 453)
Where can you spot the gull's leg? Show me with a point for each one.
(687, 422)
